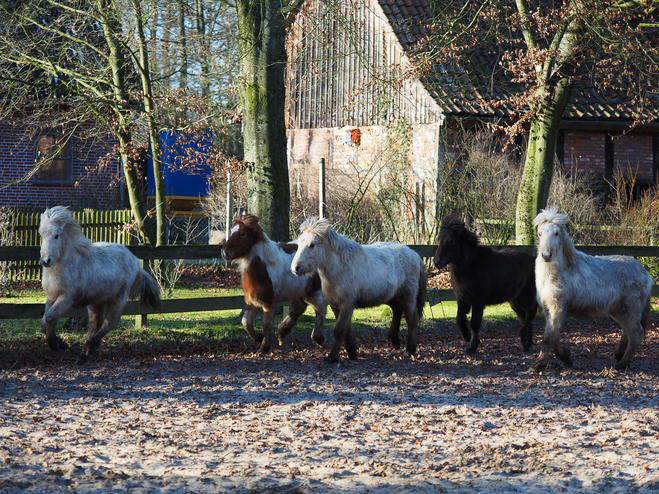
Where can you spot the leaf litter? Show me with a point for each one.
(234, 421)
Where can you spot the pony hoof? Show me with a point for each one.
(395, 342)
(320, 340)
(264, 349)
(81, 360)
(537, 368)
(353, 355)
(620, 367)
(330, 359)
(470, 351)
(258, 337)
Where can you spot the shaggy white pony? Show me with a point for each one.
(78, 273)
(571, 283)
(355, 276)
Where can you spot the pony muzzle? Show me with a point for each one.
(546, 255)
(297, 270)
(439, 264)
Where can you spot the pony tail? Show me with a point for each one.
(146, 288)
(646, 315)
(422, 294)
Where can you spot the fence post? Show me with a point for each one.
(321, 188)
(141, 320)
(229, 207)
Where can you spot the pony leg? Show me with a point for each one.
(525, 317)
(634, 340)
(110, 322)
(54, 311)
(249, 314)
(622, 346)
(268, 323)
(412, 319)
(320, 307)
(632, 332)
(551, 339)
(284, 329)
(342, 335)
(461, 319)
(394, 328)
(96, 315)
(476, 318)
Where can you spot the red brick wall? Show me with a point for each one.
(584, 152)
(93, 185)
(634, 151)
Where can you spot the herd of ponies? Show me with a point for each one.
(324, 267)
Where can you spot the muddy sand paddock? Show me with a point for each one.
(233, 421)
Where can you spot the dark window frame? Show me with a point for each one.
(64, 155)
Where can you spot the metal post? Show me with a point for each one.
(321, 188)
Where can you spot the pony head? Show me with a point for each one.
(453, 234)
(60, 231)
(553, 240)
(245, 234)
(315, 233)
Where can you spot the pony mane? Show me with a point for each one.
(550, 215)
(61, 217)
(251, 222)
(458, 227)
(322, 228)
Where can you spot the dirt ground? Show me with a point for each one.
(233, 421)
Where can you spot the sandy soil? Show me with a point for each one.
(289, 423)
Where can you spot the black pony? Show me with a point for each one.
(482, 276)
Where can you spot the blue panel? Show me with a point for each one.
(186, 168)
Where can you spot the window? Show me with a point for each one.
(53, 155)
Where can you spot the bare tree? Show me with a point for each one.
(542, 51)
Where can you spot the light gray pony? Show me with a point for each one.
(569, 282)
(78, 273)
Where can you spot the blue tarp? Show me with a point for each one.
(186, 168)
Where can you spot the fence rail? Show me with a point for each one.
(198, 252)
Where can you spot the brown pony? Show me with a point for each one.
(267, 280)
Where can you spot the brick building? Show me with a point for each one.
(332, 97)
(79, 175)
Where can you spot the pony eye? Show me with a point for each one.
(242, 234)
(311, 246)
(556, 234)
(56, 237)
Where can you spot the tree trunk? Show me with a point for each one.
(152, 125)
(551, 96)
(111, 30)
(262, 65)
(539, 165)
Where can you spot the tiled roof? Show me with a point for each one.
(486, 93)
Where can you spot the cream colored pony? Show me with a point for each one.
(78, 273)
(571, 283)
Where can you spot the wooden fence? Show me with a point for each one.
(191, 252)
(97, 225)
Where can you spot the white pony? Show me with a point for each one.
(78, 273)
(569, 282)
(355, 276)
